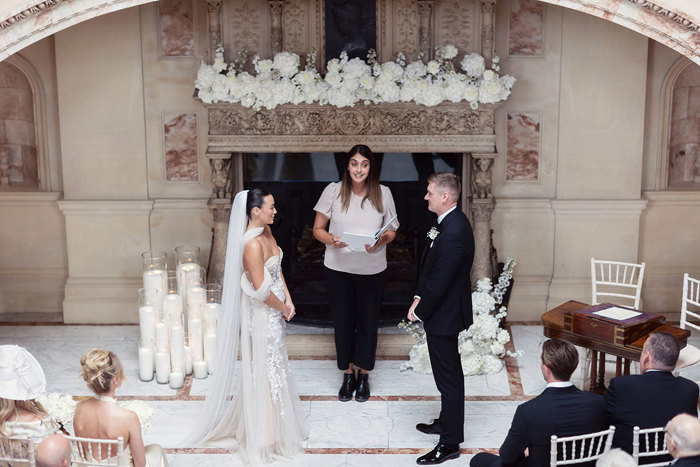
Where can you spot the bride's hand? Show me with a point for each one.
(291, 311)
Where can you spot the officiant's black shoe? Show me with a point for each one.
(362, 392)
(441, 453)
(432, 428)
(347, 388)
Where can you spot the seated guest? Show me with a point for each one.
(615, 458)
(101, 417)
(653, 398)
(562, 410)
(21, 381)
(683, 439)
(54, 451)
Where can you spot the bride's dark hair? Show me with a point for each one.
(256, 199)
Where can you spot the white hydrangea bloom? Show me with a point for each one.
(473, 65)
(286, 63)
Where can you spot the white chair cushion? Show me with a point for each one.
(690, 355)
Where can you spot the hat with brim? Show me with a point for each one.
(21, 376)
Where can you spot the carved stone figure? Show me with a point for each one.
(219, 177)
(482, 178)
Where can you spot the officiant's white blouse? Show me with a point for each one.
(359, 219)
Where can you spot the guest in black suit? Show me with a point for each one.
(562, 410)
(683, 440)
(443, 303)
(653, 398)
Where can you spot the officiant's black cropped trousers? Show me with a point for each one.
(355, 302)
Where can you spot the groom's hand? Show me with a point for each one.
(411, 315)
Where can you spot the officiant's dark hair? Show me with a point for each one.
(256, 199)
(374, 190)
(560, 357)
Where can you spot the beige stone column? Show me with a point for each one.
(214, 20)
(482, 206)
(220, 205)
(276, 25)
(488, 21)
(425, 33)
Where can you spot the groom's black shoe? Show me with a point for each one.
(440, 454)
(348, 387)
(362, 392)
(432, 428)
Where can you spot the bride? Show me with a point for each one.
(257, 412)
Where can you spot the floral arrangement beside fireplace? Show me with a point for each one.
(482, 346)
(347, 82)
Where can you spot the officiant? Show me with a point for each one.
(356, 204)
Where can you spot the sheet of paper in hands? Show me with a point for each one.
(358, 241)
(617, 313)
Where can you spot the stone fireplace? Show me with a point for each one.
(279, 150)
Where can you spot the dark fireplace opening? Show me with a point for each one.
(296, 180)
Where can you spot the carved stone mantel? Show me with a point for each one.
(383, 127)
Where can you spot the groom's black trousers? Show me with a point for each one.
(447, 371)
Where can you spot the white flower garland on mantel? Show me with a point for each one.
(482, 346)
(280, 81)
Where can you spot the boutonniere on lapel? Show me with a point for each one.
(433, 233)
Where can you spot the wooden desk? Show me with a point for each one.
(553, 322)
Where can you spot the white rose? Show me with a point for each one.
(471, 93)
(367, 81)
(263, 66)
(415, 70)
(333, 78)
(391, 71)
(333, 65)
(449, 52)
(489, 75)
(433, 67)
(248, 100)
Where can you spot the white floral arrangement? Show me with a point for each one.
(143, 410)
(482, 346)
(61, 408)
(348, 81)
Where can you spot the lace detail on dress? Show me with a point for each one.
(276, 368)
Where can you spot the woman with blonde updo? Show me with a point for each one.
(21, 381)
(101, 417)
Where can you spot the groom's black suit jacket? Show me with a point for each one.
(444, 287)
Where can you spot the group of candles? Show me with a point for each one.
(178, 314)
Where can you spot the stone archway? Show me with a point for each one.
(665, 21)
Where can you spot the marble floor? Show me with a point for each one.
(379, 432)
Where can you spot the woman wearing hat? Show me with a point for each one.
(21, 381)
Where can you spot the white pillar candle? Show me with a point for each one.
(211, 316)
(177, 348)
(156, 279)
(200, 369)
(162, 367)
(183, 271)
(172, 307)
(210, 350)
(145, 363)
(162, 334)
(196, 296)
(196, 340)
(147, 324)
(177, 379)
(188, 360)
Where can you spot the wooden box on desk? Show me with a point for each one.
(586, 323)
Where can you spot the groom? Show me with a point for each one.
(443, 303)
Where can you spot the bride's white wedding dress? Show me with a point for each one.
(258, 412)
